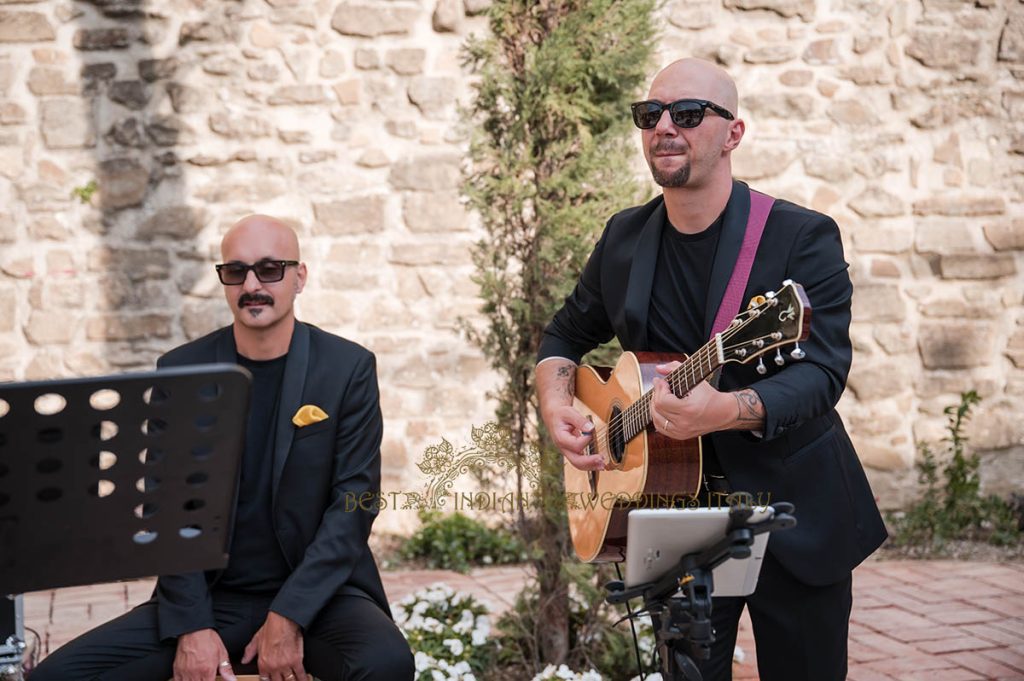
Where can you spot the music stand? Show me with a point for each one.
(679, 601)
(119, 477)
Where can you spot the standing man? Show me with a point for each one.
(301, 591)
(655, 280)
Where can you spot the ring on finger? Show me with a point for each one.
(667, 424)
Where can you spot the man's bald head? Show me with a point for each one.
(265, 230)
(695, 79)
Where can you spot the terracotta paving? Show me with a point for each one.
(933, 620)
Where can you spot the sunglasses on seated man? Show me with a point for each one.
(685, 113)
(267, 271)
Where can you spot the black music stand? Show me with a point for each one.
(679, 602)
(118, 477)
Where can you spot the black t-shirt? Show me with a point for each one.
(677, 313)
(257, 564)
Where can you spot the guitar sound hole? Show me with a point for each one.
(616, 437)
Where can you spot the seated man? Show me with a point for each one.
(301, 590)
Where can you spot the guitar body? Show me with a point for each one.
(648, 471)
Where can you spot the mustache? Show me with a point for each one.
(254, 299)
(669, 147)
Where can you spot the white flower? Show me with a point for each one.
(454, 645)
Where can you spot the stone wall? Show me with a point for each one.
(897, 118)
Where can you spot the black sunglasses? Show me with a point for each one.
(686, 113)
(267, 271)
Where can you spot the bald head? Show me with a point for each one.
(263, 232)
(695, 79)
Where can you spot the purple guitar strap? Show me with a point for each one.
(760, 206)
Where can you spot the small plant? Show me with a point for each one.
(448, 633)
(85, 192)
(956, 510)
(454, 541)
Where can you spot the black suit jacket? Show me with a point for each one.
(805, 455)
(320, 472)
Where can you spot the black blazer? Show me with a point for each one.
(319, 473)
(805, 455)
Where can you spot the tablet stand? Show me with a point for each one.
(679, 602)
(118, 477)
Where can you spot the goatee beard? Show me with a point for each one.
(676, 178)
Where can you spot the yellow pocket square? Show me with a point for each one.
(308, 414)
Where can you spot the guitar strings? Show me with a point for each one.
(632, 414)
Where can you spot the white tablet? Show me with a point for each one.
(658, 538)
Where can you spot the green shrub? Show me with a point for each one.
(956, 510)
(453, 541)
(595, 641)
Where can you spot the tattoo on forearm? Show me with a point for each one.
(750, 410)
(567, 371)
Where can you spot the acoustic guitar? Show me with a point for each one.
(643, 468)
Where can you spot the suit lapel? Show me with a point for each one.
(641, 278)
(226, 353)
(734, 226)
(291, 398)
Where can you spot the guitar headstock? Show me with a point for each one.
(781, 317)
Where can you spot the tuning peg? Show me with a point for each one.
(778, 357)
(787, 282)
(761, 368)
(797, 352)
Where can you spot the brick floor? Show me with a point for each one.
(932, 620)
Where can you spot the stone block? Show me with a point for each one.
(433, 96)
(264, 73)
(151, 70)
(878, 303)
(12, 160)
(1015, 348)
(48, 227)
(852, 113)
(122, 183)
(221, 65)
(127, 132)
(796, 77)
(885, 268)
(956, 345)
(357, 215)
(56, 294)
(176, 222)
(875, 202)
(944, 237)
(805, 9)
(475, 7)
(787, 105)
(977, 266)
(125, 327)
(51, 328)
(875, 237)
(880, 379)
(137, 264)
(883, 456)
(239, 126)
(8, 309)
(692, 15)
(47, 81)
(99, 39)
(959, 205)
(169, 131)
(758, 161)
(829, 167)
(226, 33)
(447, 16)
(1011, 39)
(12, 114)
(67, 124)
(289, 95)
(25, 27)
(187, 99)
(372, 20)
(349, 92)
(45, 365)
(434, 212)
(822, 53)
(996, 425)
(430, 253)
(944, 50)
(131, 94)
(879, 419)
(407, 61)
(203, 317)
(1007, 235)
(894, 339)
(332, 64)
(770, 54)
(428, 172)
(366, 58)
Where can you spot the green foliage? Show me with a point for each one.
(550, 151)
(85, 193)
(453, 541)
(594, 641)
(448, 633)
(955, 510)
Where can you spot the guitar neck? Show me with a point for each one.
(696, 368)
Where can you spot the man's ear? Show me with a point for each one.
(736, 130)
(300, 279)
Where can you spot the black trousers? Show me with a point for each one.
(800, 631)
(351, 639)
